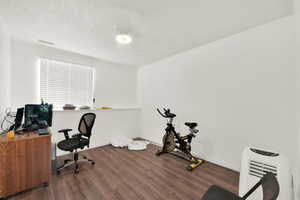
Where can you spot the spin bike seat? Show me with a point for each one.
(191, 124)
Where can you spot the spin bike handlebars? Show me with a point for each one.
(167, 113)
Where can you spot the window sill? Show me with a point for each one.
(98, 109)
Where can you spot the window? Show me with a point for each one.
(65, 83)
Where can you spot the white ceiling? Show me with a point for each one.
(160, 28)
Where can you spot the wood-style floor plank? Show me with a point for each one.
(120, 174)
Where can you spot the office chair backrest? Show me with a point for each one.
(269, 185)
(86, 124)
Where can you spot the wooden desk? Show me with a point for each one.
(25, 162)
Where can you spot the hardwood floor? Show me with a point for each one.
(120, 174)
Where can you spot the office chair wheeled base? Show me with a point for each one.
(75, 161)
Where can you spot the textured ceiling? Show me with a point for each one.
(160, 28)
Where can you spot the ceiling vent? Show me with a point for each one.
(46, 42)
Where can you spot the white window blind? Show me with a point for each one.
(65, 83)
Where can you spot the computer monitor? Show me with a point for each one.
(18, 119)
(38, 116)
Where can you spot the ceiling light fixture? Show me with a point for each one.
(123, 38)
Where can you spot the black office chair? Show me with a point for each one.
(77, 141)
(269, 185)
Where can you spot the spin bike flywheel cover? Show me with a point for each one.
(169, 142)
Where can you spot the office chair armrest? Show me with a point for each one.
(66, 132)
(63, 130)
(78, 135)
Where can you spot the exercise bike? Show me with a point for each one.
(172, 140)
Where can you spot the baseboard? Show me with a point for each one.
(216, 162)
(66, 153)
(222, 164)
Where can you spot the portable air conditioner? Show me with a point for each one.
(255, 163)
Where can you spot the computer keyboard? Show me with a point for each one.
(43, 131)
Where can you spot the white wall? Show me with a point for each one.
(4, 69)
(297, 27)
(241, 90)
(109, 124)
(115, 84)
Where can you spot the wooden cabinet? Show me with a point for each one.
(25, 162)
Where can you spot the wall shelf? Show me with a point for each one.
(98, 109)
